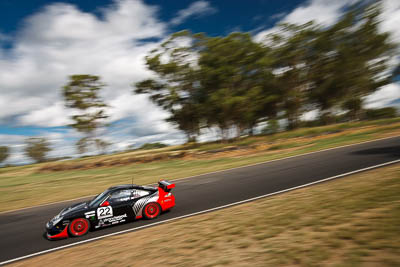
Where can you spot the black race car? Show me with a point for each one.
(116, 205)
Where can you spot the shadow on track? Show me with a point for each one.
(393, 151)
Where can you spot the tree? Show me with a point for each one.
(231, 82)
(176, 88)
(4, 153)
(354, 107)
(102, 145)
(381, 113)
(211, 82)
(237, 82)
(291, 50)
(349, 60)
(82, 94)
(37, 148)
(271, 128)
(187, 118)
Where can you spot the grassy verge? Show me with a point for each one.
(354, 221)
(28, 186)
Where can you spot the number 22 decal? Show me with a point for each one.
(104, 212)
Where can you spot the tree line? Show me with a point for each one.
(234, 82)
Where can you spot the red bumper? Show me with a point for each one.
(62, 235)
(166, 199)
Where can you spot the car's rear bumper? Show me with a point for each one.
(167, 202)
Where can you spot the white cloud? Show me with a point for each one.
(62, 40)
(136, 108)
(324, 12)
(327, 12)
(49, 116)
(11, 139)
(199, 8)
(15, 146)
(309, 115)
(278, 16)
(123, 21)
(12, 105)
(391, 18)
(383, 97)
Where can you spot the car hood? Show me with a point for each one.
(79, 207)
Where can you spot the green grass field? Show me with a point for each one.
(29, 185)
(352, 221)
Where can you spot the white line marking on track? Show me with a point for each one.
(188, 177)
(200, 212)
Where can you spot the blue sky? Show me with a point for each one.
(228, 15)
(42, 42)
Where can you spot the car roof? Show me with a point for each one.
(125, 186)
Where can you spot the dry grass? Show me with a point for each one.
(29, 185)
(353, 221)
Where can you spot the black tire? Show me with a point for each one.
(151, 210)
(79, 227)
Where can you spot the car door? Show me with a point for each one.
(119, 200)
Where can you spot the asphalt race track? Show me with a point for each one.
(22, 231)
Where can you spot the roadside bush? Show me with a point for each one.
(381, 113)
(271, 128)
(148, 146)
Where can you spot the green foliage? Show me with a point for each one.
(82, 94)
(381, 113)
(271, 128)
(232, 82)
(4, 153)
(225, 87)
(354, 107)
(37, 148)
(175, 88)
(148, 146)
(237, 82)
(291, 53)
(102, 145)
(349, 60)
(84, 143)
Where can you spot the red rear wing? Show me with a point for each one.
(166, 185)
(165, 198)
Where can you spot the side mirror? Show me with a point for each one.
(105, 204)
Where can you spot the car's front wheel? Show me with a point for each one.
(79, 227)
(151, 210)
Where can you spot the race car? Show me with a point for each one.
(118, 204)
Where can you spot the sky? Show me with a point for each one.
(43, 42)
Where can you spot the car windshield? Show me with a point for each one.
(98, 199)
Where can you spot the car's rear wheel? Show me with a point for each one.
(79, 227)
(151, 210)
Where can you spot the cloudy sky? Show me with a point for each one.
(43, 42)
